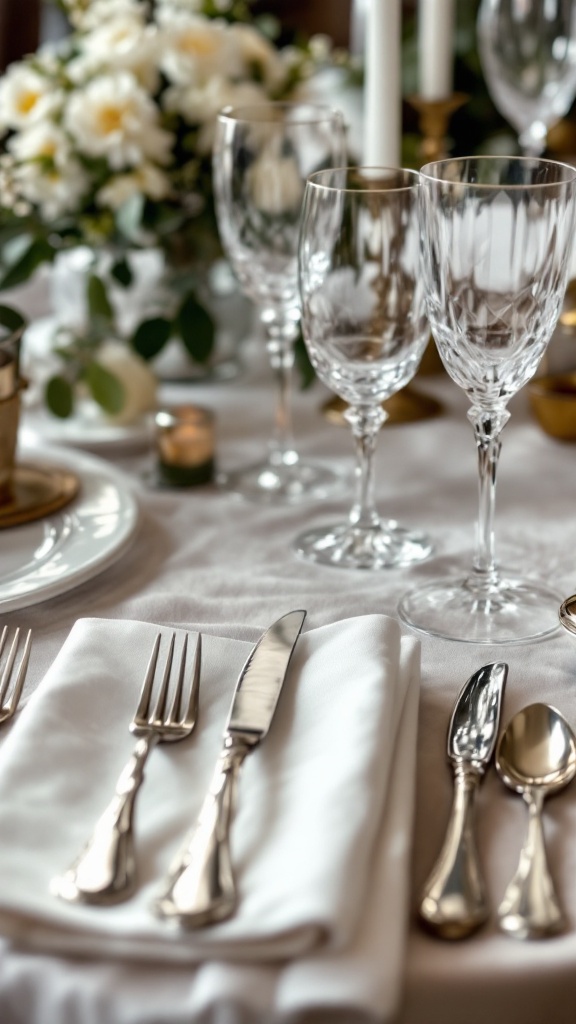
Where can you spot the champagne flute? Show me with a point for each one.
(527, 49)
(365, 328)
(262, 156)
(497, 238)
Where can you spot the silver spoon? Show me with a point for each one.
(567, 613)
(536, 756)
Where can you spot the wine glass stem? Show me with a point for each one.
(487, 426)
(281, 330)
(365, 422)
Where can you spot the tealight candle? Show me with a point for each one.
(185, 445)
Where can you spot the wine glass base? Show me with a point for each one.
(509, 611)
(350, 547)
(281, 483)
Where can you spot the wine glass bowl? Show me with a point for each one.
(527, 49)
(364, 324)
(498, 234)
(262, 156)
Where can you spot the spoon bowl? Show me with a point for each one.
(536, 756)
(567, 614)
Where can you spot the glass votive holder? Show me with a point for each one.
(185, 445)
(10, 386)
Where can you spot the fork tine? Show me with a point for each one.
(21, 676)
(160, 705)
(144, 702)
(174, 713)
(3, 638)
(191, 713)
(9, 664)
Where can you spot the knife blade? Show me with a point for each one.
(454, 902)
(200, 888)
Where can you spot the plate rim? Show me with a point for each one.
(81, 462)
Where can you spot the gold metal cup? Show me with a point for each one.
(10, 386)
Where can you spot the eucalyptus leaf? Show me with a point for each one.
(150, 336)
(99, 306)
(59, 397)
(196, 328)
(121, 271)
(106, 389)
(11, 318)
(129, 217)
(38, 252)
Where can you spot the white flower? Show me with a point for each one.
(147, 180)
(194, 49)
(136, 377)
(26, 97)
(56, 190)
(201, 105)
(122, 43)
(114, 118)
(275, 183)
(41, 140)
(255, 49)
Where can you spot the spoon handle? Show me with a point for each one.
(530, 909)
(453, 902)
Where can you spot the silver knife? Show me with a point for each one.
(200, 887)
(454, 903)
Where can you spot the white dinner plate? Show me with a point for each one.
(87, 430)
(50, 556)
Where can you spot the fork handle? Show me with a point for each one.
(105, 871)
(200, 887)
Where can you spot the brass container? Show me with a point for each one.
(553, 402)
(10, 386)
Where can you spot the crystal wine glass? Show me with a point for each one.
(262, 157)
(365, 328)
(497, 237)
(527, 49)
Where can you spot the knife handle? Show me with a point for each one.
(200, 887)
(453, 903)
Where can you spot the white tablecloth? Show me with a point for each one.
(205, 559)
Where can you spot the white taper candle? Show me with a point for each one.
(382, 84)
(435, 48)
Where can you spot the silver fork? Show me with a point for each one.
(11, 685)
(105, 871)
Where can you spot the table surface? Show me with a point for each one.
(207, 558)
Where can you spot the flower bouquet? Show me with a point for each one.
(107, 144)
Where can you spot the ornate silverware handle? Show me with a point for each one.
(105, 870)
(530, 908)
(200, 888)
(453, 903)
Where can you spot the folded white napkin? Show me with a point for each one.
(321, 869)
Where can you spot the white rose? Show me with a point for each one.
(26, 97)
(43, 139)
(113, 117)
(201, 105)
(145, 180)
(275, 184)
(194, 49)
(255, 49)
(135, 375)
(56, 190)
(122, 43)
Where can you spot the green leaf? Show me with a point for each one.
(196, 328)
(23, 267)
(11, 318)
(99, 307)
(122, 272)
(106, 389)
(59, 397)
(303, 364)
(129, 217)
(150, 336)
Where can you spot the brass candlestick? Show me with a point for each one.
(434, 118)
